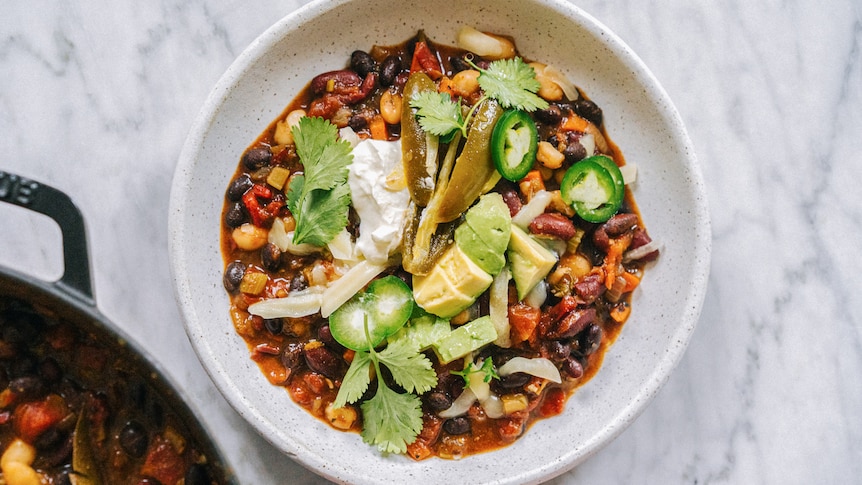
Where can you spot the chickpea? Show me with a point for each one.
(18, 451)
(549, 156)
(465, 83)
(390, 107)
(15, 464)
(341, 418)
(548, 90)
(283, 135)
(249, 237)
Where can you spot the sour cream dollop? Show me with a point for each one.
(381, 210)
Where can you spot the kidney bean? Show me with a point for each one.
(619, 224)
(233, 276)
(553, 224)
(257, 158)
(324, 361)
(589, 110)
(573, 323)
(324, 334)
(510, 197)
(455, 426)
(556, 350)
(362, 63)
(601, 239)
(389, 70)
(340, 79)
(573, 367)
(238, 187)
(590, 288)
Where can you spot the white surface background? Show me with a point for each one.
(96, 98)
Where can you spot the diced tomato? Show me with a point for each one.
(523, 319)
(164, 462)
(34, 418)
(554, 402)
(425, 61)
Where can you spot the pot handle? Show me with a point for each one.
(49, 201)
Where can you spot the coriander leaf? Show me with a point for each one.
(322, 215)
(437, 113)
(409, 367)
(513, 84)
(487, 369)
(319, 198)
(355, 381)
(391, 420)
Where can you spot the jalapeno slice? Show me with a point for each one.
(513, 144)
(384, 306)
(594, 188)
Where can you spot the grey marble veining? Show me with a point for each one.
(96, 99)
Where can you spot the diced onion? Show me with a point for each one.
(347, 134)
(342, 289)
(532, 209)
(562, 81)
(539, 367)
(630, 173)
(487, 46)
(537, 296)
(493, 407)
(639, 252)
(480, 388)
(284, 240)
(342, 247)
(498, 308)
(296, 304)
(460, 406)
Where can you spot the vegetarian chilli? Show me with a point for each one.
(433, 246)
(74, 410)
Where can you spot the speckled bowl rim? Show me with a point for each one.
(670, 193)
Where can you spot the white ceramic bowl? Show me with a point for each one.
(640, 119)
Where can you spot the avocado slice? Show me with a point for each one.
(465, 339)
(530, 261)
(484, 234)
(452, 285)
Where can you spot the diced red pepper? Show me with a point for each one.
(425, 61)
(164, 462)
(554, 402)
(261, 215)
(34, 418)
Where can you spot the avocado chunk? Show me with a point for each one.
(423, 329)
(484, 234)
(465, 339)
(452, 285)
(530, 261)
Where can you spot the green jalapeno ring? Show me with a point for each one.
(514, 142)
(594, 189)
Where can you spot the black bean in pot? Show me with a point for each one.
(292, 356)
(256, 158)
(573, 367)
(233, 276)
(588, 110)
(438, 400)
(455, 426)
(550, 115)
(236, 215)
(197, 474)
(389, 70)
(27, 386)
(323, 361)
(590, 339)
(270, 257)
(516, 380)
(133, 439)
(238, 187)
(362, 63)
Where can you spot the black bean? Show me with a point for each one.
(197, 474)
(389, 70)
(50, 370)
(299, 282)
(270, 257)
(291, 356)
(438, 401)
(29, 386)
(362, 63)
(256, 158)
(236, 215)
(233, 276)
(238, 187)
(133, 439)
(324, 361)
(459, 425)
(550, 115)
(459, 64)
(49, 438)
(274, 325)
(590, 339)
(357, 122)
(324, 334)
(22, 327)
(574, 151)
(589, 110)
(556, 350)
(573, 367)
(62, 478)
(513, 381)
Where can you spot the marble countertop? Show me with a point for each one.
(96, 99)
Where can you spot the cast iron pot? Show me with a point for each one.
(72, 298)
